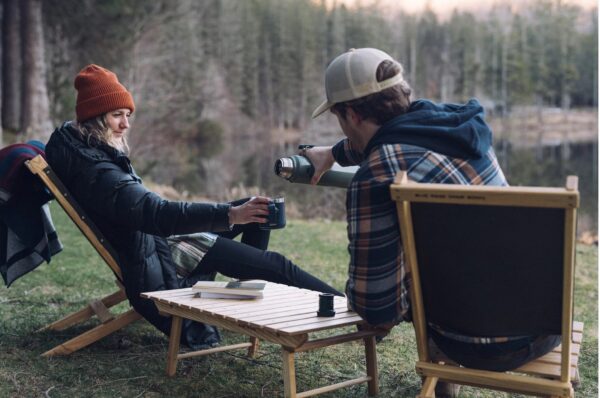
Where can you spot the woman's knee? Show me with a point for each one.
(281, 263)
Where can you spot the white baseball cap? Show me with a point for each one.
(353, 75)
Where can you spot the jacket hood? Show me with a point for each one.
(67, 150)
(454, 130)
(67, 135)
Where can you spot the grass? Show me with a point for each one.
(131, 362)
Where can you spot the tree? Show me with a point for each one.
(430, 38)
(462, 29)
(518, 60)
(336, 32)
(35, 114)
(1, 135)
(586, 61)
(11, 65)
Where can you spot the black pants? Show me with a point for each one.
(497, 356)
(246, 260)
(250, 260)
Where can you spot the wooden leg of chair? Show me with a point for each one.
(94, 334)
(84, 314)
(428, 389)
(253, 349)
(576, 382)
(289, 373)
(371, 357)
(174, 345)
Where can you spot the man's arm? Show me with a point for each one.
(345, 154)
(323, 157)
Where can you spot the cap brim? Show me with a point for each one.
(321, 109)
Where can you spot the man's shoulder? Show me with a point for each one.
(424, 165)
(387, 159)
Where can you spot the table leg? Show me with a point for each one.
(254, 347)
(289, 373)
(174, 345)
(371, 357)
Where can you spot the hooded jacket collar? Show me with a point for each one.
(69, 136)
(450, 129)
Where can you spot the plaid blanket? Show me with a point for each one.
(27, 234)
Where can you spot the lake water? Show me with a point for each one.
(550, 165)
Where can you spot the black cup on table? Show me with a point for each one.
(276, 217)
(326, 305)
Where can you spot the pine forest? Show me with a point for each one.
(225, 87)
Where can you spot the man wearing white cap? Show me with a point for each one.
(437, 143)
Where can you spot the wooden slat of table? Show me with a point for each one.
(305, 320)
(292, 319)
(228, 304)
(269, 296)
(323, 324)
(241, 309)
(272, 295)
(270, 287)
(287, 340)
(282, 293)
(173, 293)
(283, 322)
(304, 309)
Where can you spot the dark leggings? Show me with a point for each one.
(250, 260)
(497, 356)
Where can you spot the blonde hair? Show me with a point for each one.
(96, 131)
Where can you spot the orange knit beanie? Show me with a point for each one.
(99, 92)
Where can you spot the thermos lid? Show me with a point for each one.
(284, 168)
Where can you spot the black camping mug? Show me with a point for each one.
(326, 305)
(276, 217)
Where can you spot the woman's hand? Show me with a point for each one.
(254, 210)
(321, 158)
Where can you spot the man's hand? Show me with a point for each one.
(322, 159)
(254, 210)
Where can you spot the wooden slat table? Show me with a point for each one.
(286, 316)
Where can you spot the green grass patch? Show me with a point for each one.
(131, 362)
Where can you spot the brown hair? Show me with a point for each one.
(384, 105)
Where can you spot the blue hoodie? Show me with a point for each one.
(458, 131)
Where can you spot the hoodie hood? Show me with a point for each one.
(454, 130)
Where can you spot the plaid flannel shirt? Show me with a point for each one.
(377, 286)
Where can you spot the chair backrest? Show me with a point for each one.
(489, 261)
(39, 167)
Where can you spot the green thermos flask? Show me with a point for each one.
(299, 169)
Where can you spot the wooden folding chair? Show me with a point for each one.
(100, 307)
(492, 261)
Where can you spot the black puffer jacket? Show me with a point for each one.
(134, 220)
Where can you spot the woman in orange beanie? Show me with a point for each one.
(160, 244)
